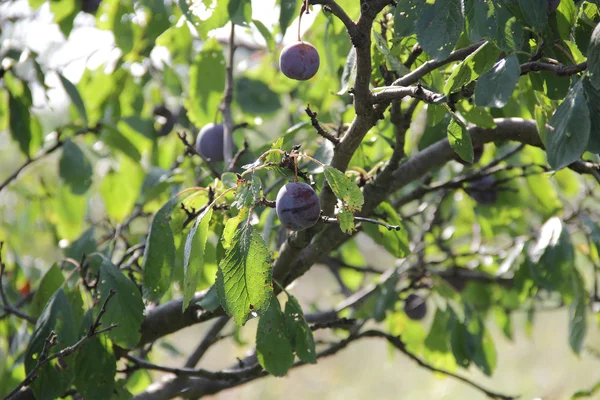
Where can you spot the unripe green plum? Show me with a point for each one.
(415, 307)
(299, 60)
(209, 143)
(298, 206)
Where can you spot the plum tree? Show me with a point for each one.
(483, 190)
(299, 60)
(415, 307)
(209, 143)
(298, 206)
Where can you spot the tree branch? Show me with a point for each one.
(93, 330)
(42, 154)
(558, 69)
(315, 123)
(398, 344)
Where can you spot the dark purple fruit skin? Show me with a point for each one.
(415, 307)
(553, 5)
(299, 60)
(483, 190)
(298, 206)
(209, 143)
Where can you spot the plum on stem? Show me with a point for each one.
(415, 307)
(299, 60)
(298, 206)
(209, 143)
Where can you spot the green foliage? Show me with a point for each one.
(244, 282)
(106, 207)
(273, 348)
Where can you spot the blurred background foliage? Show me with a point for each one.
(95, 92)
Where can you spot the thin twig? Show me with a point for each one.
(59, 143)
(315, 123)
(209, 339)
(51, 341)
(398, 344)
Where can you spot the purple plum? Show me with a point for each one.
(209, 143)
(298, 206)
(553, 5)
(299, 60)
(483, 190)
(415, 307)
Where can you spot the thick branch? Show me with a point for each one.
(399, 92)
(558, 69)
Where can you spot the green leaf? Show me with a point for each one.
(460, 140)
(75, 97)
(128, 178)
(594, 57)
(212, 16)
(301, 337)
(439, 26)
(178, 39)
(20, 120)
(255, 97)
(273, 347)
(125, 308)
(207, 81)
(406, 15)
(64, 14)
(344, 189)
(577, 313)
(479, 344)
(586, 393)
(495, 87)
(535, 12)
(552, 256)
(478, 116)
(244, 282)
(210, 301)
(571, 123)
(240, 11)
(349, 73)
(287, 10)
(231, 227)
(95, 371)
(53, 378)
(159, 253)
(85, 244)
(266, 34)
(70, 211)
(593, 101)
(49, 284)
(346, 220)
(193, 259)
(458, 341)
(472, 67)
(395, 242)
(74, 168)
